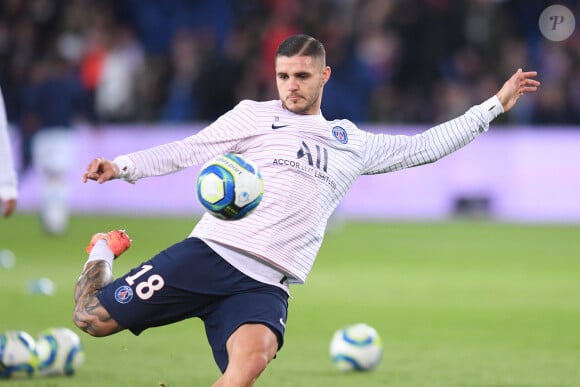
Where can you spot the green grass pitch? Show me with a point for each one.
(456, 304)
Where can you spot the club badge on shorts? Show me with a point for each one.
(123, 294)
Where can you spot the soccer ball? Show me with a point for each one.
(230, 186)
(60, 352)
(17, 354)
(356, 347)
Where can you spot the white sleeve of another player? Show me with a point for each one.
(388, 153)
(8, 177)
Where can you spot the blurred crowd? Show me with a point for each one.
(393, 61)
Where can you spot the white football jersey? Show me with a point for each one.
(308, 164)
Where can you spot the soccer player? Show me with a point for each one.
(234, 275)
(8, 177)
(51, 104)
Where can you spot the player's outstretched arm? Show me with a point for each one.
(101, 170)
(519, 83)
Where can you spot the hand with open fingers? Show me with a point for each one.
(519, 83)
(101, 170)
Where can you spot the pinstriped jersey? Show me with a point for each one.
(308, 165)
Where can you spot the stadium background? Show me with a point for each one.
(459, 299)
(148, 72)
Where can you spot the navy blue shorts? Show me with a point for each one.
(190, 280)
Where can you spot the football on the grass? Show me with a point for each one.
(356, 347)
(230, 186)
(17, 354)
(60, 352)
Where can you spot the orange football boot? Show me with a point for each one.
(117, 240)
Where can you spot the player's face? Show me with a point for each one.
(300, 80)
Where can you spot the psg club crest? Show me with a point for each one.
(123, 294)
(340, 134)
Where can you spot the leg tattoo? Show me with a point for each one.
(89, 314)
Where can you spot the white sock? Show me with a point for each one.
(101, 252)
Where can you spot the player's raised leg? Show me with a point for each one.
(250, 348)
(89, 315)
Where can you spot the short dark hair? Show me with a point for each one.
(303, 45)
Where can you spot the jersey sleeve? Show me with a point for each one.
(221, 136)
(387, 153)
(8, 177)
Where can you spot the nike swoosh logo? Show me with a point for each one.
(282, 322)
(278, 126)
